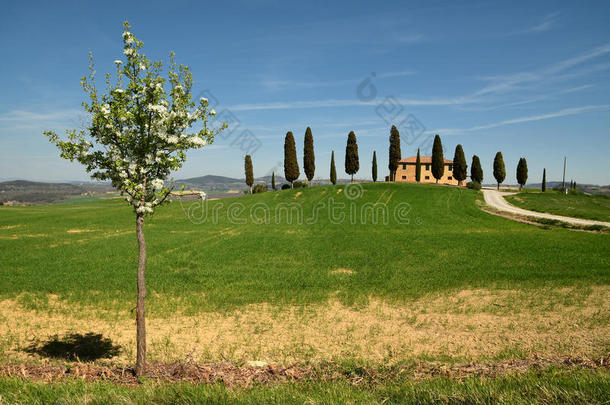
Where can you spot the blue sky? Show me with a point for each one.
(528, 78)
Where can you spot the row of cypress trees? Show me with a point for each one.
(352, 162)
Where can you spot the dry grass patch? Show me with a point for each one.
(80, 230)
(343, 271)
(468, 325)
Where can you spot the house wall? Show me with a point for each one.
(407, 175)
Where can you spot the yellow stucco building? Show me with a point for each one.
(406, 171)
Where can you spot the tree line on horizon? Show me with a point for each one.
(352, 163)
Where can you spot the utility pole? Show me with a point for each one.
(564, 174)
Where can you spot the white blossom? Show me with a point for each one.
(157, 184)
(172, 139)
(212, 112)
(195, 140)
(205, 100)
(118, 62)
(143, 210)
(118, 90)
(128, 51)
(142, 67)
(159, 109)
(105, 109)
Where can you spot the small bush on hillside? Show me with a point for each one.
(573, 191)
(285, 186)
(259, 188)
(299, 184)
(473, 185)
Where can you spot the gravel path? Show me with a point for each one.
(495, 199)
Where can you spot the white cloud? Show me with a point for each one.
(20, 119)
(547, 23)
(518, 81)
(557, 114)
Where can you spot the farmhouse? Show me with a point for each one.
(406, 171)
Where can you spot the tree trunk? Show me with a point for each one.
(498, 186)
(291, 185)
(352, 179)
(140, 307)
(250, 189)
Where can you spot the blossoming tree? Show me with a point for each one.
(139, 132)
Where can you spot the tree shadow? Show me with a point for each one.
(76, 346)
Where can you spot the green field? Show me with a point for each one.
(86, 253)
(439, 280)
(595, 207)
(549, 387)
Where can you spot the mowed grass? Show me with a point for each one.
(595, 207)
(551, 386)
(86, 253)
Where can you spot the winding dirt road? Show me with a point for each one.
(495, 199)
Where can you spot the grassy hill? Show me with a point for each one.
(357, 308)
(86, 252)
(595, 207)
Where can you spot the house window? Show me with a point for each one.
(404, 166)
(404, 177)
(427, 177)
(450, 168)
(450, 178)
(427, 167)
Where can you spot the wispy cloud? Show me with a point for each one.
(396, 74)
(444, 101)
(491, 96)
(410, 39)
(557, 114)
(519, 81)
(20, 119)
(292, 84)
(547, 23)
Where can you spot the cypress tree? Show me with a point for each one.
(309, 159)
(438, 160)
(249, 172)
(522, 173)
(273, 181)
(544, 180)
(394, 152)
(291, 165)
(476, 171)
(575, 185)
(460, 168)
(374, 168)
(499, 169)
(418, 167)
(352, 164)
(333, 169)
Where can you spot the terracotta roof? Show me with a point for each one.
(424, 160)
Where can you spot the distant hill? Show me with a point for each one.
(214, 183)
(35, 192)
(23, 191)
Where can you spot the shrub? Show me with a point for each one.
(473, 185)
(299, 184)
(259, 188)
(573, 191)
(285, 186)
